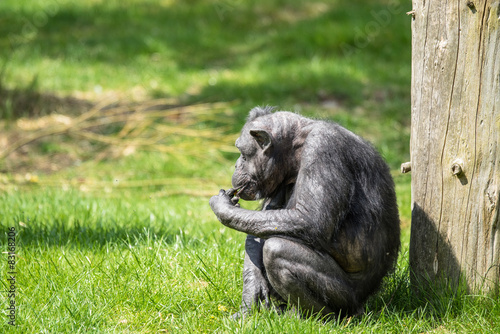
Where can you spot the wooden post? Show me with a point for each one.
(455, 143)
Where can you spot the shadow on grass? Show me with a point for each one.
(29, 102)
(51, 218)
(16, 103)
(79, 235)
(434, 291)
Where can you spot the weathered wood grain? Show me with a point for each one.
(455, 138)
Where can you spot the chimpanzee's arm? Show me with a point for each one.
(262, 224)
(318, 207)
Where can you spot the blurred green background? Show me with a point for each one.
(349, 64)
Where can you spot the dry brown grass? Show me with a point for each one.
(113, 129)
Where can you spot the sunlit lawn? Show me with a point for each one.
(114, 229)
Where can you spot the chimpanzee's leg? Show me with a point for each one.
(305, 277)
(256, 287)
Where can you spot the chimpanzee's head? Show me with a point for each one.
(259, 169)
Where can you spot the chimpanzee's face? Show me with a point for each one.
(255, 169)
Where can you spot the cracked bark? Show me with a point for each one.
(456, 116)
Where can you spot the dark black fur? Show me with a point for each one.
(329, 228)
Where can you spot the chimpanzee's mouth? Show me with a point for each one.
(240, 189)
(245, 191)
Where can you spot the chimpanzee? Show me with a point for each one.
(329, 227)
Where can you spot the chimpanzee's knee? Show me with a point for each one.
(276, 253)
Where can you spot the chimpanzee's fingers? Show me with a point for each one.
(222, 192)
(235, 200)
(230, 192)
(237, 205)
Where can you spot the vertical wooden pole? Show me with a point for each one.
(455, 143)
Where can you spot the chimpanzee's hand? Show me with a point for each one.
(223, 200)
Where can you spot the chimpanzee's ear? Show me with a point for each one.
(262, 137)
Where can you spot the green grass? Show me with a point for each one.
(115, 242)
(175, 47)
(90, 263)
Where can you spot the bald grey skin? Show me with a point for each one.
(328, 231)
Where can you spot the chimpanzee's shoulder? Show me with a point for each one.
(332, 138)
(327, 131)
